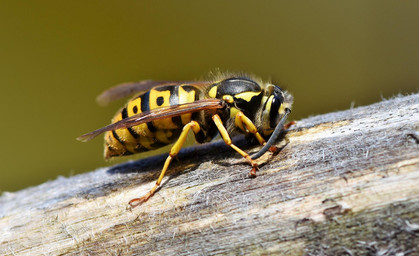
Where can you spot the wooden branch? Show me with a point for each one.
(344, 183)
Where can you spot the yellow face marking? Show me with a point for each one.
(247, 96)
(265, 114)
(267, 109)
(213, 92)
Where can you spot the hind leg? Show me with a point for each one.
(173, 152)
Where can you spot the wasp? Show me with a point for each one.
(164, 112)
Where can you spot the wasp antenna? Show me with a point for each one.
(274, 135)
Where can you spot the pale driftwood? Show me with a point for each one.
(344, 183)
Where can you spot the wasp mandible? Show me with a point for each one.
(163, 112)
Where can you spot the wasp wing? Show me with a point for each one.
(123, 90)
(156, 114)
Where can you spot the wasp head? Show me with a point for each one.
(274, 104)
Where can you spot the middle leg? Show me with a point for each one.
(226, 137)
(243, 121)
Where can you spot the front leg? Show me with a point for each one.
(242, 121)
(226, 137)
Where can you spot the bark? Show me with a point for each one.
(344, 183)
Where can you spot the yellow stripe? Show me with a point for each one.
(146, 142)
(213, 92)
(167, 122)
(125, 136)
(164, 135)
(247, 96)
(141, 129)
(186, 97)
(118, 149)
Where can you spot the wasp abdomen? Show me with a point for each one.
(155, 134)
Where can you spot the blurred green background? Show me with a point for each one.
(56, 56)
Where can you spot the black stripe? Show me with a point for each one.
(133, 133)
(164, 88)
(188, 88)
(117, 137)
(151, 127)
(145, 102)
(158, 144)
(110, 148)
(130, 130)
(124, 113)
(200, 137)
(175, 135)
(177, 120)
(145, 106)
(127, 153)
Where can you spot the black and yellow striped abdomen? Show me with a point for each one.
(155, 134)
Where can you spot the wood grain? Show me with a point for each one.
(344, 183)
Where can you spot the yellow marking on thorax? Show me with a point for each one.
(228, 98)
(213, 92)
(186, 97)
(154, 96)
(247, 96)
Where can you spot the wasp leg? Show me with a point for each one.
(242, 119)
(289, 124)
(217, 120)
(173, 152)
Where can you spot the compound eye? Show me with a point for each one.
(274, 113)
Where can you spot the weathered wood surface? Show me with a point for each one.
(345, 183)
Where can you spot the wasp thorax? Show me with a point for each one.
(242, 94)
